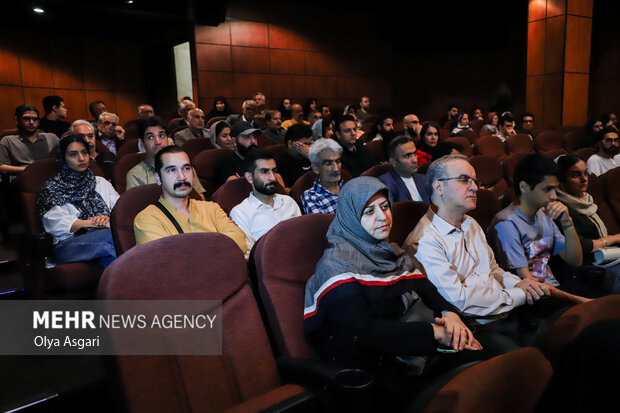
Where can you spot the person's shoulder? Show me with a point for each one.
(136, 168)
(49, 136)
(149, 212)
(506, 214)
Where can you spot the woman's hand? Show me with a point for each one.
(455, 333)
(100, 221)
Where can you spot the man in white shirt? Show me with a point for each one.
(263, 208)
(453, 252)
(403, 181)
(607, 156)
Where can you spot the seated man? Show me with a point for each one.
(183, 108)
(248, 111)
(152, 133)
(383, 127)
(96, 108)
(55, 115)
(106, 132)
(19, 151)
(145, 111)
(453, 252)
(273, 120)
(263, 208)
(176, 212)
(294, 163)
(606, 156)
(195, 118)
(506, 127)
(322, 198)
(297, 116)
(105, 159)
(233, 167)
(526, 125)
(525, 234)
(403, 181)
(411, 125)
(356, 157)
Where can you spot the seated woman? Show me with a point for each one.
(461, 123)
(592, 231)
(74, 207)
(364, 293)
(431, 148)
(490, 128)
(322, 128)
(220, 108)
(220, 136)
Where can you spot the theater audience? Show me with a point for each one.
(74, 207)
(297, 116)
(107, 134)
(326, 111)
(460, 123)
(605, 157)
(313, 116)
(431, 148)
(476, 113)
(195, 119)
(526, 125)
(104, 159)
(96, 108)
(183, 108)
(403, 181)
(610, 120)
(19, 151)
(273, 121)
(145, 111)
(322, 198)
(453, 110)
(381, 129)
(55, 115)
(220, 108)
(294, 163)
(260, 99)
(363, 112)
(310, 105)
(592, 127)
(356, 157)
(220, 135)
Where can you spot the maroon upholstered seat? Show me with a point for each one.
(585, 153)
(377, 150)
(7, 132)
(548, 142)
(490, 145)
(131, 132)
(301, 185)
(214, 119)
(286, 258)
(519, 143)
(130, 204)
(424, 167)
(476, 124)
(232, 193)
(176, 268)
(128, 148)
(122, 166)
(471, 135)
(490, 173)
(172, 122)
(263, 141)
(204, 164)
(468, 392)
(444, 134)
(194, 146)
(463, 141)
(276, 150)
(610, 181)
(487, 205)
(595, 188)
(378, 170)
(510, 163)
(405, 216)
(573, 139)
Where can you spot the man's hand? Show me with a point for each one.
(533, 289)
(303, 150)
(555, 210)
(120, 132)
(456, 334)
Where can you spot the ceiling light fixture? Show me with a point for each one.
(38, 10)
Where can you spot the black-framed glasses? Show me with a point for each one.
(464, 179)
(611, 140)
(30, 119)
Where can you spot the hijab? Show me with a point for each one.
(317, 130)
(71, 187)
(214, 112)
(215, 130)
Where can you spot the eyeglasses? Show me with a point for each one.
(610, 140)
(109, 122)
(30, 119)
(415, 122)
(86, 135)
(464, 179)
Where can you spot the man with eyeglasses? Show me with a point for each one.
(606, 157)
(356, 157)
(19, 151)
(196, 128)
(104, 159)
(526, 124)
(453, 252)
(106, 132)
(411, 125)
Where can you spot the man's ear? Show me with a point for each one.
(158, 179)
(438, 187)
(392, 162)
(315, 168)
(249, 178)
(523, 186)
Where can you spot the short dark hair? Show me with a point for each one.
(50, 101)
(143, 124)
(531, 115)
(21, 109)
(91, 107)
(297, 132)
(606, 117)
(159, 163)
(607, 129)
(343, 119)
(532, 170)
(255, 155)
(396, 142)
(270, 114)
(452, 106)
(505, 118)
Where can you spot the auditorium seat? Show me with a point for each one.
(128, 148)
(610, 180)
(554, 153)
(204, 164)
(176, 130)
(585, 153)
(244, 377)
(131, 133)
(263, 141)
(490, 173)
(490, 145)
(476, 124)
(301, 185)
(7, 132)
(74, 280)
(232, 193)
(519, 143)
(510, 163)
(573, 139)
(461, 140)
(424, 167)
(214, 119)
(172, 122)
(121, 167)
(471, 135)
(130, 204)
(444, 134)
(405, 216)
(378, 170)
(548, 142)
(377, 150)
(194, 146)
(276, 150)
(487, 205)
(595, 188)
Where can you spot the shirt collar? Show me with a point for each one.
(445, 228)
(319, 187)
(257, 203)
(37, 134)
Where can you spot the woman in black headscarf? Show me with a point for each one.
(220, 108)
(431, 148)
(285, 108)
(364, 293)
(74, 207)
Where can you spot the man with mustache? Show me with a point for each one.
(606, 157)
(453, 252)
(176, 212)
(263, 208)
(233, 166)
(322, 198)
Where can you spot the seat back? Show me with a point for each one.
(276, 150)
(130, 204)
(573, 139)
(610, 181)
(471, 135)
(286, 258)
(487, 205)
(510, 163)
(214, 119)
(468, 392)
(463, 141)
(7, 132)
(585, 153)
(172, 122)
(444, 134)
(476, 124)
(128, 148)
(548, 141)
(175, 268)
(519, 143)
(263, 141)
(122, 166)
(194, 146)
(232, 193)
(378, 170)
(377, 151)
(405, 216)
(595, 188)
(204, 164)
(491, 175)
(131, 132)
(301, 185)
(490, 145)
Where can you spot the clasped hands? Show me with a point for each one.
(450, 331)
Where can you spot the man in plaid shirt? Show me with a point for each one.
(322, 198)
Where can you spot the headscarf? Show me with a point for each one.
(214, 112)
(317, 130)
(71, 187)
(583, 205)
(213, 132)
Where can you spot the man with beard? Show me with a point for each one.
(322, 198)
(196, 121)
(19, 151)
(233, 166)
(605, 158)
(104, 159)
(152, 132)
(363, 113)
(176, 212)
(403, 181)
(55, 115)
(411, 125)
(263, 208)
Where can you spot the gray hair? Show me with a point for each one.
(321, 145)
(246, 103)
(78, 123)
(114, 115)
(182, 107)
(437, 170)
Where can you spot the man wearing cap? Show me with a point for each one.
(294, 163)
(233, 167)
